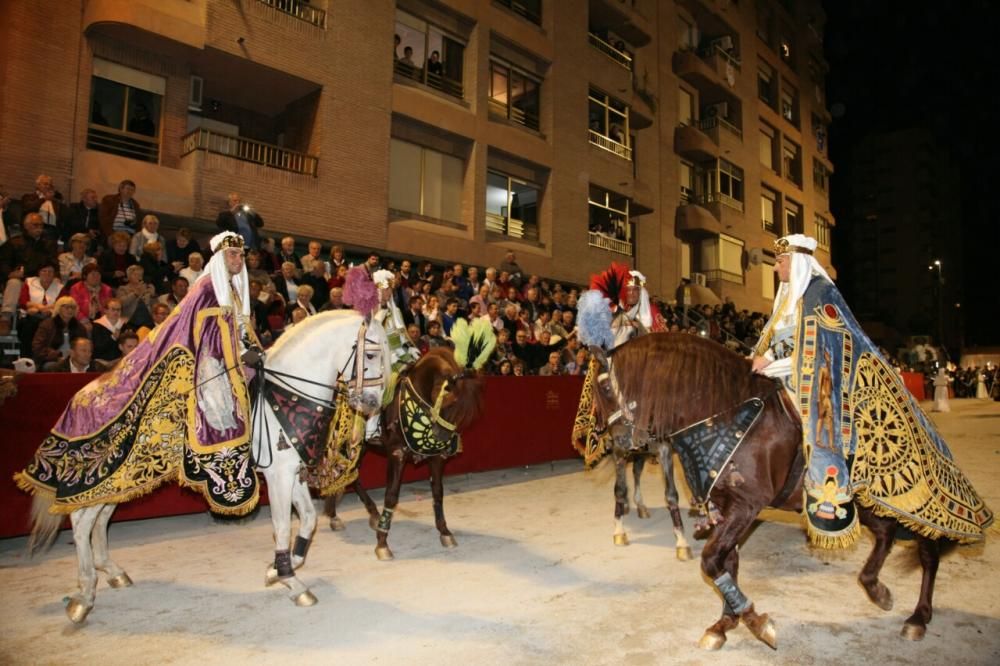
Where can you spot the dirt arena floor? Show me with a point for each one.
(535, 579)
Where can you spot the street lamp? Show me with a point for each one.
(936, 266)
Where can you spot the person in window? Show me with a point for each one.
(407, 58)
(617, 133)
(141, 123)
(434, 65)
(120, 212)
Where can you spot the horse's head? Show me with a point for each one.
(367, 377)
(455, 391)
(611, 412)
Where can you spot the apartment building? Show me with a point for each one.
(676, 136)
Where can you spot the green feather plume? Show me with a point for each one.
(474, 344)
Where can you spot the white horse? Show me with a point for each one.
(309, 360)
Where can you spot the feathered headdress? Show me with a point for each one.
(474, 343)
(360, 291)
(613, 282)
(593, 317)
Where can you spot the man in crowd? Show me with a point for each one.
(79, 359)
(241, 219)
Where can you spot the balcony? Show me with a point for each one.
(693, 220)
(529, 10)
(408, 73)
(623, 19)
(134, 22)
(601, 141)
(615, 55)
(719, 275)
(710, 126)
(725, 200)
(708, 69)
(605, 242)
(513, 114)
(123, 144)
(300, 10)
(691, 142)
(249, 150)
(510, 227)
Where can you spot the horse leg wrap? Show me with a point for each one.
(675, 516)
(301, 546)
(439, 512)
(732, 594)
(385, 520)
(283, 563)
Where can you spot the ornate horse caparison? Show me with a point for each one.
(310, 359)
(676, 380)
(434, 401)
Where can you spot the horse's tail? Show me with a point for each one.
(44, 524)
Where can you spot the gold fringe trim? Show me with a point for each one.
(921, 528)
(826, 541)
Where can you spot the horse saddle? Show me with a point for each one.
(304, 421)
(705, 447)
(425, 432)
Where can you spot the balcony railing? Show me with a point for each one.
(429, 79)
(511, 226)
(620, 57)
(727, 57)
(514, 114)
(522, 10)
(605, 242)
(717, 274)
(124, 144)
(299, 10)
(725, 200)
(249, 150)
(610, 145)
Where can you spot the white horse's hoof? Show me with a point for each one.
(120, 581)
(712, 640)
(77, 611)
(642, 512)
(621, 539)
(383, 553)
(270, 577)
(448, 541)
(336, 524)
(684, 553)
(305, 599)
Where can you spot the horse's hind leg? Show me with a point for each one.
(670, 490)
(930, 555)
(79, 604)
(638, 463)
(330, 509)
(884, 530)
(621, 498)
(393, 481)
(436, 464)
(99, 543)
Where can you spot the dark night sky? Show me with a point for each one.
(933, 65)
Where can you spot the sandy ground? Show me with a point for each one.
(535, 579)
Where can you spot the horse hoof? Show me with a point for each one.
(712, 640)
(913, 632)
(448, 541)
(766, 632)
(336, 524)
(684, 553)
(621, 539)
(305, 599)
(642, 512)
(77, 611)
(120, 581)
(270, 577)
(384, 554)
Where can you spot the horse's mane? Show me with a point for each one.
(677, 379)
(465, 394)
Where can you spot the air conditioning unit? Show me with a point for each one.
(195, 93)
(719, 110)
(755, 256)
(699, 279)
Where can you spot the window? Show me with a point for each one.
(513, 95)
(766, 84)
(529, 9)
(609, 226)
(819, 132)
(793, 217)
(816, 78)
(722, 258)
(125, 111)
(687, 178)
(608, 121)
(685, 108)
(765, 19)
(427, 55)
(821, 230)
(789, 102)
(786, 46)
(821, 177)
(725, 183)
(688, 37)
(769, 210)
(425, 182)
(511, 206)
(791, 160)
(767, 143)
(767, 281)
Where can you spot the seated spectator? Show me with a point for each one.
(91, 295)
(120, 212)
(178, 290)
(534, 354)
(553, 367)
(413, 333)
(269, 256)
(493, 316)
(71, 263)
(519, 369)
(84, 218)
(414, 314)
(149, 233)
(258, 312)
(336, 300)
(303, 299)
(38, 294)
(506, 368)
(241, 219)
(48, 204)
(107, 331)
(157, 315)
(543, 323)
(336, 259)
(434, 338)
(287, 283)
(127, 341)
(23, 257)
(431, 309)
(50, 343)
(298, 315)
(578, 366)
(316, 278)
(79, 359)
(255, 268)
(449, 315)
(180, 249)
(156, 271)
(339, 277)
(287, 253)
(196, 268)
(115, 262)
(137, 297)
(312, 257)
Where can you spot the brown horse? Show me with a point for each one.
(449, 400)
(673, 380)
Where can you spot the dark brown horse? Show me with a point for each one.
(676, 380)
(445, 399)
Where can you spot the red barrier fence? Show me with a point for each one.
(527, 421)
